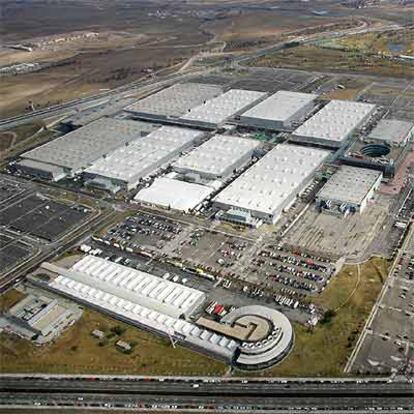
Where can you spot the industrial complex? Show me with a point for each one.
(271, 184)
(250, 337)
(212, 213)
(279, 111)
(335, 122)
(348, 190)
(77, 150)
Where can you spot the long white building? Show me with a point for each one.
(127, 165)
(216, 111)
(134, 285)
(218, 157)
(335, 122)
(279, 110)
(271, 184)
(142, 299)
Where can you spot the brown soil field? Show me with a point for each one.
(311, 57)
(134, 36)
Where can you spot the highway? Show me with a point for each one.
(204, 394)
(145, 85)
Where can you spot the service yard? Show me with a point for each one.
(338, 236)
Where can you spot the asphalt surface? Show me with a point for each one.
(198, 394)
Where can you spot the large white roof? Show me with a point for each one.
(335, 121)
(217, 155)
(80, 148)
(143, 156)
(280, 106)
(267, 184)
(131, 284)
(175, 194)
(349, 185)
(217, 110)
(175, 100)
(141, 298)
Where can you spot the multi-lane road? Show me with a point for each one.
(152, 84)
(204, 394)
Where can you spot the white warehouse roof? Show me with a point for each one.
(219, 109)
(175, 194)
(350, 185)
(80, 148)
(393, 131)
(145, 155)
(128, 283)
(335, 121)
(175, 100)
(280, 106)
(120, 291)
(218, 155)
(266, 185)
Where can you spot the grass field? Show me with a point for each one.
(9, 299)
(76, 351)
(311, 57)
(323, 350)
(386, 42)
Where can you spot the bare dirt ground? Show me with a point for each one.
(133, 37)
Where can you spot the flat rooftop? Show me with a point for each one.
(335, 121)
(174, 194)
(221, 108)
(144, 155)
(130, 284)
(80, 148)
(349, 185)
(140, 298)
(217, 155)
(266, 185)
(280, 106)
(176, 100)
(392, 130)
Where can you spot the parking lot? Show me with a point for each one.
(220, 290)
(407, 209)
(389, 343)
(12, 251)
(10, 189)
(260, 79)
(334, 236)
(212, 249)
(396, 96)
(41, 217)
(299, 273)
(144, 230)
